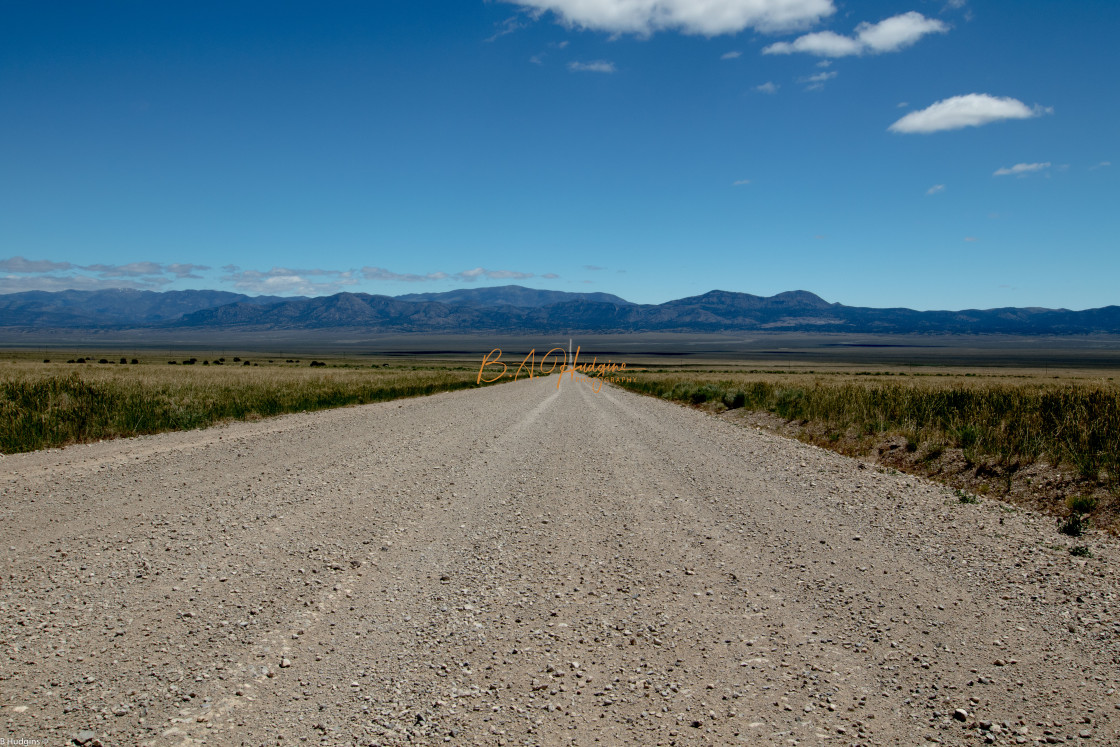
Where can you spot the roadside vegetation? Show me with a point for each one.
(1029, 439)
(50, 404)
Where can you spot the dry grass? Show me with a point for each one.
(53, 404)
(1011, 435)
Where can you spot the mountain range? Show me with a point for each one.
(518, 309)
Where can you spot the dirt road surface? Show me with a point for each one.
(533, 565)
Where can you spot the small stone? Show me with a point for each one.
(960, 714)
(285, 663)
(1084, 733)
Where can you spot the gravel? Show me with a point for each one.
(523, 564)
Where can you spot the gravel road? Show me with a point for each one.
(526, 564)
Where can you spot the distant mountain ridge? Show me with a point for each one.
(514, 309)
(511, 295)
(113, 307)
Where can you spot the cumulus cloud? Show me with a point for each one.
(730, 55)
(706, 18)
(1021, 169)
(598, 66)
(888, 35)
(281, 280)
(767, 87)
(821, 43)
(935, 189)
(898, 32)
(971, 110)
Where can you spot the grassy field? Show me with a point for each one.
(1049, 440)
(1049, 437)
(50, 404)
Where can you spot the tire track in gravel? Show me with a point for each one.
(528, 564)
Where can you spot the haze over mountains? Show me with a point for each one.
(516, 309)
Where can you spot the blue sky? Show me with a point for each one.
(929, 154)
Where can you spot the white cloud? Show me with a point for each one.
(898, 32)
(180, 270)
(741, 183)
(970, 239)
(132, 269)
(971, 110)
(767, 87)
(19, 264)
(816, 82)
(508, 26)
(91, 277)
(280, 280)
(730, 55)
(821, 43)
(598, 66)
(380, 273)
(22, 283)
(1021, 169)
(889, 35)
(935, 189)
(466, 276)
(704, 17)
(1101, 165)
(550, 276)
(471, 275)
